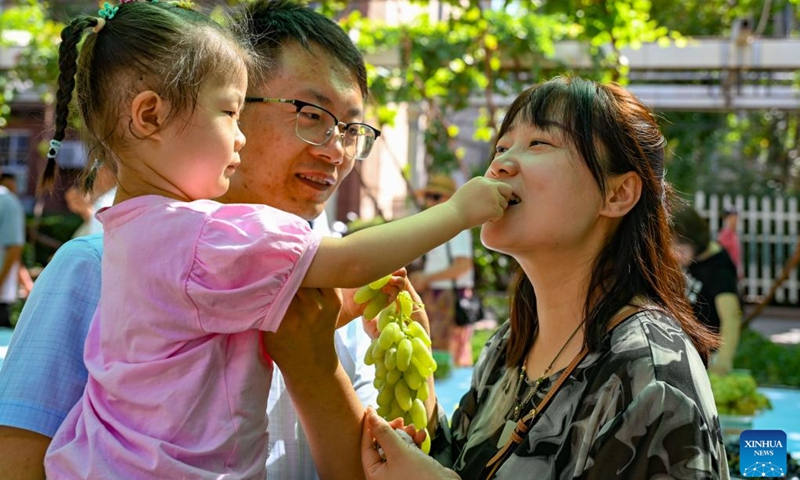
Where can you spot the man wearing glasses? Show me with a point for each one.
(305, 130)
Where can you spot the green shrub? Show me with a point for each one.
(737, 394)
(444, 363)
(479, 339)
(769, 363)
(56, 227)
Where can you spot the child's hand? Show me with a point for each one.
(481, 200)
(351, 309)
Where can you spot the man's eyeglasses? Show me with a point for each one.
(316, 126)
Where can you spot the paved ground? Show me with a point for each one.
(779, 324)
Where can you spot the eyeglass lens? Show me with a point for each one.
(316, 126)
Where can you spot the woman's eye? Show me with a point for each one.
(498, 150)
(231, 114)
(535, 143)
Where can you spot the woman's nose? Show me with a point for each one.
(503, 165)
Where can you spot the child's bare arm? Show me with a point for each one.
(374, 252)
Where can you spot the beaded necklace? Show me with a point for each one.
(517, 404)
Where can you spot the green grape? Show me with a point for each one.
(426, 444)
(383, 411)
(377, 352)
(386, 338)
(379, 383)
(395, 411)
(416, 330)
(392, 376)
(364, 294)
(404, 352)
(380, 283)
(380, 370)
(413, 378)
(390, 361)
(384, 318)
(424, 371)
(402, 395)
(385, 397)
(421, 353)
(375, 305)
(399, 335)
(406, 303)
(368, 358)
(422, 392)
(418, 414)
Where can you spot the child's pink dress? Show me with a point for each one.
(177, 385)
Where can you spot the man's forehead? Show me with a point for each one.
(313, 76)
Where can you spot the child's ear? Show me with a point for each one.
(623, 193)
(148, 114)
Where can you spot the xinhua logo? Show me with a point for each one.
(762, 453)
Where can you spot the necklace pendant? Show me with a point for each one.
(505, 435)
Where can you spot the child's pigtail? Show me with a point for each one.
(68, 67)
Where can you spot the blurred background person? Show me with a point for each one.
(80, 204)
(729, 239)
(25, 282)
(447, 272)
(712, 283)
(12, 241)
(103, 190)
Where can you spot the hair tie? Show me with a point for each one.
(101, 22)
(55, 146)
(108, 11)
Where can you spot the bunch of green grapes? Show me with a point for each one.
(401, 355)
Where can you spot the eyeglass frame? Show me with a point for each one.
(299, 104)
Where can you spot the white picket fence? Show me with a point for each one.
(768, 229)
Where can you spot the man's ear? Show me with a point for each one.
(148, 114)
(623, 193)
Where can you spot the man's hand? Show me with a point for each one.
(329, 410)
(304, 339)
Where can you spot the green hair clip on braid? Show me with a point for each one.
(108, 11)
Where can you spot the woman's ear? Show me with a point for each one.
(148, 114)
(623, 193)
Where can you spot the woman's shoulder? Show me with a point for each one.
(653, 337)
(651, 348)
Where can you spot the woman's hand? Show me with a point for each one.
(352, 310)
(403, 461)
